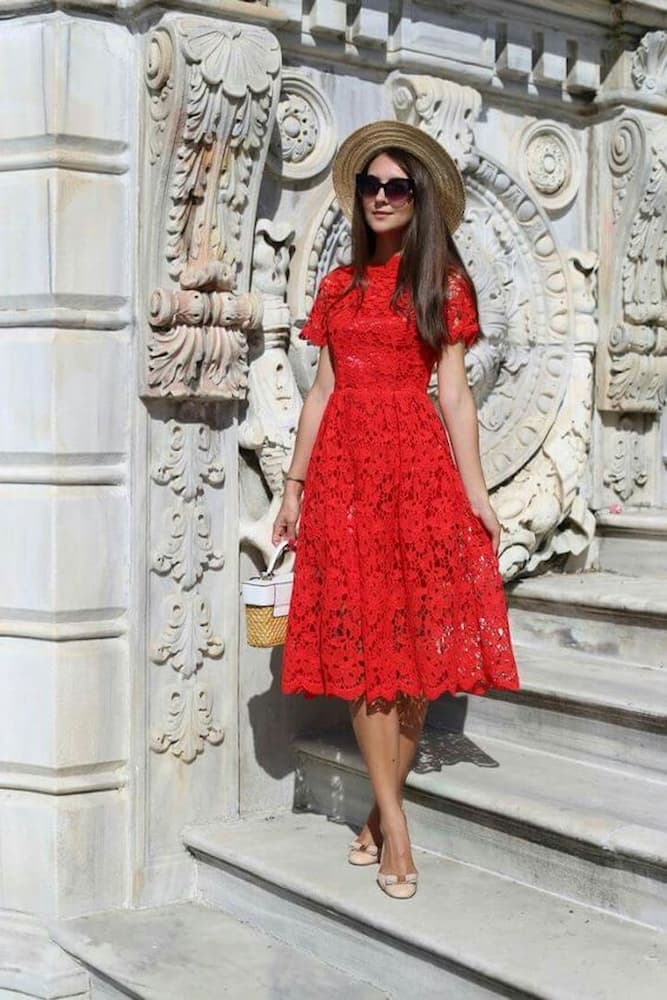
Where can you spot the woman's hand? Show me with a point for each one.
(487, 516)
(285, 524)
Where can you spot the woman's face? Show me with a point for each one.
(381, 216)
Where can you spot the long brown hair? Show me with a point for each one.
(429, 252)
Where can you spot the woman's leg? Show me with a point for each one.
(411, 715)
(379, 733)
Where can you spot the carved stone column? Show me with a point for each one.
(632, 362)
(65, 486)
(211, 91)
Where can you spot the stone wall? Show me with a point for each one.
(166, 177)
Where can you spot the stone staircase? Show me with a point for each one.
(190, 952)
(540, 818)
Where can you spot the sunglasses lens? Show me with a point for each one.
(397, 190)
(367, 185)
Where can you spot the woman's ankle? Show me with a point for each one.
(393, 822)
(371, 828)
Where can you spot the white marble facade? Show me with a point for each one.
(168, 211)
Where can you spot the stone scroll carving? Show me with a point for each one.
(634, 372)
(531, 372)
(212, 91)
(440, 108)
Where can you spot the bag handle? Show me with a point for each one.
(279, 551)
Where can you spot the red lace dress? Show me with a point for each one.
(396, 586)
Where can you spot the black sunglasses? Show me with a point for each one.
(397, 190)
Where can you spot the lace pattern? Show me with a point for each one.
(396, 585)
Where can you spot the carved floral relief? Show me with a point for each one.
(189, 468)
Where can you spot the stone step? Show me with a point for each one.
(633, 542)
(187, 951)
(621, 618)
(592, 834)
(573, 704)
(467, 934)
(32, 965)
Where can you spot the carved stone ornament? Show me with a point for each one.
(187, 468)
(626, 151)
(441, 108)
(545, 510)
(267, 426)
(531, 381)
(212, 93)
(548, 160)
(304, 137)
(627, 466)
(188, 722)
(649, 64)
(634, 370)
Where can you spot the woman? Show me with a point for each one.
(397, 596)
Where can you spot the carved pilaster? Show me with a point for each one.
(631, 377)
(211, 98)
(632, 370)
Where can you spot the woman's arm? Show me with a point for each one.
(460, 415)
(314, 404)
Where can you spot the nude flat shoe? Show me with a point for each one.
(398, 886)
(363, 854)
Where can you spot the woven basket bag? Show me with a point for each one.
(266, 598)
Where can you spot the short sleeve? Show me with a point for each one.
(460, 310)
(315, 328)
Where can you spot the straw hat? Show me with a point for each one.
(360, 146)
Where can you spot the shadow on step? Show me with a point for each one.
(444, 742)
(439, 748)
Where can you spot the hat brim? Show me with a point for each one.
(359, 147)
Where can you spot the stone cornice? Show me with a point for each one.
(551, 53)
(610, 13)
(643, 13)
(598, 12)
(125, 10)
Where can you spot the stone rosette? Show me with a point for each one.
(549, 164)
(304, 137)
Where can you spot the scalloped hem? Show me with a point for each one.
(479, 688)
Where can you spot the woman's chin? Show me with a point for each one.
(381, 226)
